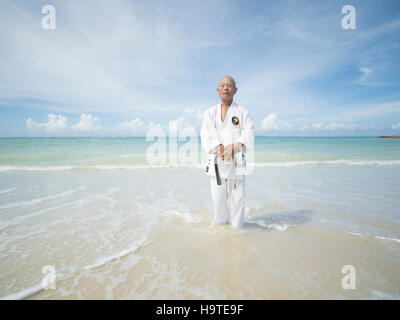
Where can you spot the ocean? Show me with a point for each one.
(126, 218)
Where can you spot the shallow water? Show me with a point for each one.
(132, 152)
(146, 234)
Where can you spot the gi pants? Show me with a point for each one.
(228, 201)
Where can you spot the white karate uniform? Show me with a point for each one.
(229, 197)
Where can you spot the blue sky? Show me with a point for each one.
(120, 68)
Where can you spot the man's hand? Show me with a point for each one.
(230, 150)
(221, 151)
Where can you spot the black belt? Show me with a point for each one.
(217, 171)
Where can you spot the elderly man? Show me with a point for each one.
(226, 133)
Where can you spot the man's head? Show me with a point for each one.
(226, 88)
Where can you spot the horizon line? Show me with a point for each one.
(263, 136)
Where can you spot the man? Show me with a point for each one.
(226, 133)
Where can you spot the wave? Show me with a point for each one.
(340, 162)
(186, 216)
(263, 224)
(103, 260)
(95, 167)
(7, 190)
(23, 294)
(23, 204)
(377, 294)
(80, 202)
(375, 237)
(388, 239)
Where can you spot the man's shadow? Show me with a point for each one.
(276, 220)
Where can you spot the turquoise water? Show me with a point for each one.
(95, 151)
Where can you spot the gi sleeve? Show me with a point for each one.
(247, 131)
(208, 134)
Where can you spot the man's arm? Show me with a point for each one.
(247, 133)
(231, 149)
(208, 134)
(246, 139)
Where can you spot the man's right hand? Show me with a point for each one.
(221, 151)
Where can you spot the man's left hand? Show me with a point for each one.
(230, 150)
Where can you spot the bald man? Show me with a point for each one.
(226, 133)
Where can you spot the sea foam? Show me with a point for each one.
(23, 293)
(103, 260)
(340, 162)
(27, 203)
(7, 190)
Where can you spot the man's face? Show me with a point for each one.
(226, 89)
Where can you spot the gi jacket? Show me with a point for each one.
(236, 127)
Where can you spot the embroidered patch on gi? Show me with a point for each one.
(235, 120)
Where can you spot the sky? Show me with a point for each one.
(122, 68)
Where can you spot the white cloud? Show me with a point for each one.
(303, 125)
(365, 73)
(133, 126)
(334, 126)
(287, 125)
(269, 122)
(194, 113)
(137, 127)
(156, 129)
(87, 123)
(317, 126)
(58, 123)
(55, 123)
(186, 126)
(396, 126)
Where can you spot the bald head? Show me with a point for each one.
(227, 89)
(227, 79)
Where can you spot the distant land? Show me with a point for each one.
(392, 137)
